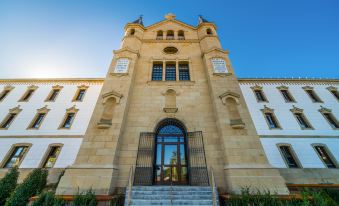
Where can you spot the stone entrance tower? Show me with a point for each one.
(170, 70)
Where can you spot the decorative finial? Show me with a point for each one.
(202, 20)
(138, 21)
(170, 16)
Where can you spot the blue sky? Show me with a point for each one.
(75, 38)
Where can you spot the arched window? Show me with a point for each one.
(181, 35)
(170, 160)
(170, 35)
(160, 35)
(209, 31)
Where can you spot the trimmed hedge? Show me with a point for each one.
(8, 184)
(48, 199)
(31, 186)
(87, 199)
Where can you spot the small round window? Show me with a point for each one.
(170, 50)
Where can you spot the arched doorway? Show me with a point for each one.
(170, 162)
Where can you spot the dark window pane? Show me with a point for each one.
(38, 120)
(324, 156)
(313, 96)
(16, 156)
(157, 72)
(271, 120)
(81, 95)
(184, 72)
(28, 95)
(286, 96)
(287, 154)
(68, 120)
(52, 157)
(260, 96)
(54, 95)
(4, 94)
(8, 121)
(302, 121)
(170, 72)
(331, 120)
(336, 94)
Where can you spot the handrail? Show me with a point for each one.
(130, 184)
(213, 186)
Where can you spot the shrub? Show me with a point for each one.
(33, 184)
(87, 199)
(48, 199)
(118, 200)
(8, 184)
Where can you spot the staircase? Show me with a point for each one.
(170, 195)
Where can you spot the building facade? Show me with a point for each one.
(171, 111)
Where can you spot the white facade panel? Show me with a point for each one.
(282, 109)
(37, 152)
(303, 149)
(57, 111)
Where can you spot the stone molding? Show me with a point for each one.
(229, 94)
(116, 95)
(296, 110)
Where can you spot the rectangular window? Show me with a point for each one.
(80, 95)
(68, 120)
(184, 74)
(321, 150)
(170, 72)
(287, 96)
(288, 156)
(38, 120)
(27, 95)
(53, 95)
(331, 120)
(302, 121)
(335, 94)
(8, 120)
(4, 94)
(157, 72)
(272, 122)
(260, 95)
(314, 97)
(52, 157)
(16, 156)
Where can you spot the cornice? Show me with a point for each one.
(287, 80)
(56, 80)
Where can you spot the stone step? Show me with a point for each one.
(135, 193)
(172, 202)
(168, 188)
(168, 197)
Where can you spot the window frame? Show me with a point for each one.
(162, 70)
(270, 111)
(68, 111)
(24, 97)
(40, 111)
(329, 154)
(261, 90)
(316, 98)
(325, 111)
(289, 94)
(334, 91)
(188, 70)
(297, 111)
(15, 111)
(10, 152)
(46, 155)
(170, 63)
(294, 156)
(5, 92)
(51, 93)
(77, 93)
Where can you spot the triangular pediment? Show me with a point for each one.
(169, 22)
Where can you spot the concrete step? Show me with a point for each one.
(134, 193)
(172, 202)
(169, 197)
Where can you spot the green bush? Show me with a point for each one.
(8, 184)
(118, 200)
(87, 199)
(31, 186)
(48, 199)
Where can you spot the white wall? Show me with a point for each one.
(282, 109)
(38, 150)
(57, 109)
(303, 149)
